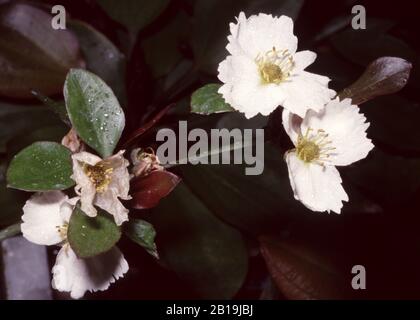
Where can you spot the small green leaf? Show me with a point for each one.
(134, 14)
(207, 100)
(42, 166)
(88, 236)
(94, 111)
(142, 233)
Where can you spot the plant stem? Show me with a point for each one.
(10, 231)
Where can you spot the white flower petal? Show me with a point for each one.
(109, 202)
(41, 218)
(305, 91)
(120, 181)
(303, 59)
(346, 128)
(291, 124)
(245, 92)
(84, 186)
(260, 33)
(67, 208)
(86, 157)
(318, 188)
(74, 275)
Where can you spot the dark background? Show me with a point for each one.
(378, 228)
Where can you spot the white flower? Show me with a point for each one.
(102, 183)
(45, 222)
(335, 136)
(265, 71)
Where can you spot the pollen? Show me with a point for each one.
(275, 66)
(314, 147)
(100, 174)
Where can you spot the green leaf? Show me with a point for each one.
(10, 231)
(211, 25)
(102, 57)
(94, 111)
(134, 14)
(88, 236)
(33, 56)
(207, 100)
(42, 166)
(208, 254)
(142, 233)
(383, 76)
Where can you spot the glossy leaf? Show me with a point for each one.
(206, 253)
(102, 57)
(32, 54)
(42, 166)
(300, 273)
(149, 190)
(88, 236)
(94, 111)
(134, 14)
(207, 100)
(383, 76)
(142, 233)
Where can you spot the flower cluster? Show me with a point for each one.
(264, 71)
(88, 221)
(101, 183)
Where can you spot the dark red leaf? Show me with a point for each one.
(34, 56)
(147, 191)
(383, 76)
(299, 273)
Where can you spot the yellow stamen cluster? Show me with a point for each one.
(314, 148)
(275, 66)
(100, 174)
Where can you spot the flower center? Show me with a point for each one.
(62, 230)
(314, 147)
(100, 175)
(275, 66)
